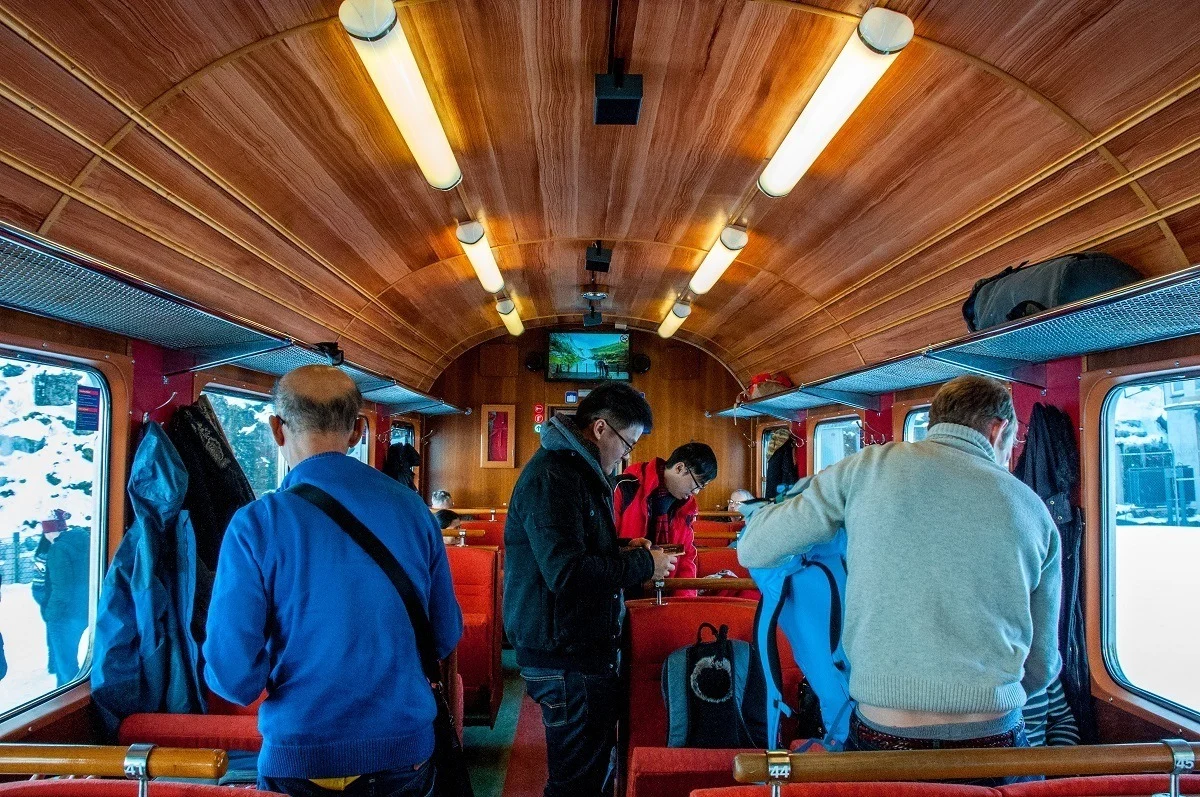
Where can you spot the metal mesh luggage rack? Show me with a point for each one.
(42, 278)
(1151, 310)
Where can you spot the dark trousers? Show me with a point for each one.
(866, 739)
(579, 713)
(413, 782)
(63, 636)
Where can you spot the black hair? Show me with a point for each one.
(619, 404)
(698, 458)
(445, 518)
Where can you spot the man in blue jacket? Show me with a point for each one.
(300, 610)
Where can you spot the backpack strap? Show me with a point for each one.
(675, 696)
(835, 605)
(767, 635)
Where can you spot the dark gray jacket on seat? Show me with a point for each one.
(564, 572)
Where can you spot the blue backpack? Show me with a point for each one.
(714, 693)
(804, 597)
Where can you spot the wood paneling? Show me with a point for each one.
(246, 161)
(451, 457)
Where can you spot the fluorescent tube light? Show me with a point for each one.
(379, 40)
(508, 314)
(674, 319)
(732, 241)
(475, 243)
(880, 35)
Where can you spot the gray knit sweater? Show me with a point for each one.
(954, 575)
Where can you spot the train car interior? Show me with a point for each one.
(482, 235)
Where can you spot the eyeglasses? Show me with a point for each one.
(621, 437)
(695, 481)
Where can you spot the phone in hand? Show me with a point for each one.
(672, 549)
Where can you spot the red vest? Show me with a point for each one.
(633, 519)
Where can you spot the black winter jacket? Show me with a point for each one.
(564, 573)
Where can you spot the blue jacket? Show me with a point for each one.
(145, 657)
(300, 610)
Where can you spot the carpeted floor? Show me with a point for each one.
(510, 759)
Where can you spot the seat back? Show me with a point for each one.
(475, 571)
(714, 560)
(221, 706)
(869, 789)
(657, 631)
(493, 532)
(120, 788)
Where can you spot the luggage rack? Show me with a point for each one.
(45, 279)
(1151, 310)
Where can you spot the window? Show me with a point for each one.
(54, 425)
(404, 432)
(361, 450)
(916, 425)
(244, 419)
(1152, 538)
(835, 440)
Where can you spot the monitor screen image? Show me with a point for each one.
(588, 357)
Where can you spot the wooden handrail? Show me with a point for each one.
(715, 535)
(965, 764)
(718, 513)
(459, 536)
(474, 513)
(705, 583)
(109, 762)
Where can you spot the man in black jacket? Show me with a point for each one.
(563, 581)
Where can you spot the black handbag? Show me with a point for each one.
(449, 763)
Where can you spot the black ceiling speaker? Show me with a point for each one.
(639, 363)
(535, 361)
(597, 258)
(333, 352)
(618, 95)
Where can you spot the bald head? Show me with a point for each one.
(318, 399)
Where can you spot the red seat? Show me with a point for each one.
(493, 532)
(118, 788)
(714, 560)
(226, 726)
(656, 632)
(478, 586)
(873, 789)
(1109, 786)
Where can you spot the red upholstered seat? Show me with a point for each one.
(118, 788)
(227, 726)
(1110, 786)
(656, 632)
(703, 527)
(493, 532)
(714, 560)
(478, 585)
(853, 790)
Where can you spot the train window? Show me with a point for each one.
(404, 432)
(916, 425)
(361, 448)
(835, 440)
(772, 438)
(1152, 538)
(244, 419)
(54, 426)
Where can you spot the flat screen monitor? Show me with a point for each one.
(588, 357)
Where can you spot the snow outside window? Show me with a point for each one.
(244, 419)
(833, 441)
(1152, 539)
(916, 425)
(54, 425)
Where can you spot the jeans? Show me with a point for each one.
(414, 782)
(579, 713)
(858, 730)
(63, 638)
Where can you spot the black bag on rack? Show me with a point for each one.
(450, 767)
(1024, 290)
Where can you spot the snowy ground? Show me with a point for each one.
(25, 648)
(1157, 591)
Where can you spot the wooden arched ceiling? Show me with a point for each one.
(236, 153)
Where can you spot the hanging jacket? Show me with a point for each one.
(631, 505)
(145, 657)
(399, 463)
(1049, 464)
(781, 469)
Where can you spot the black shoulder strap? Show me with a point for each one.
(835, 606)
(387, 562)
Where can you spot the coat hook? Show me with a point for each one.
(146, 415)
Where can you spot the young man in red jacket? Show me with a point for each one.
(659, 501)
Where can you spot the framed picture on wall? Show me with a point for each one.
(497, 433)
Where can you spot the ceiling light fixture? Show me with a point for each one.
(871, 49)
(374, 27)
(507, 309)
(674, 319)
(475, 243)
(723, 252)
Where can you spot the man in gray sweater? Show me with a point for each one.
(954, 576)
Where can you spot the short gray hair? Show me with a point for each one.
(973, 401)
(329, 411)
